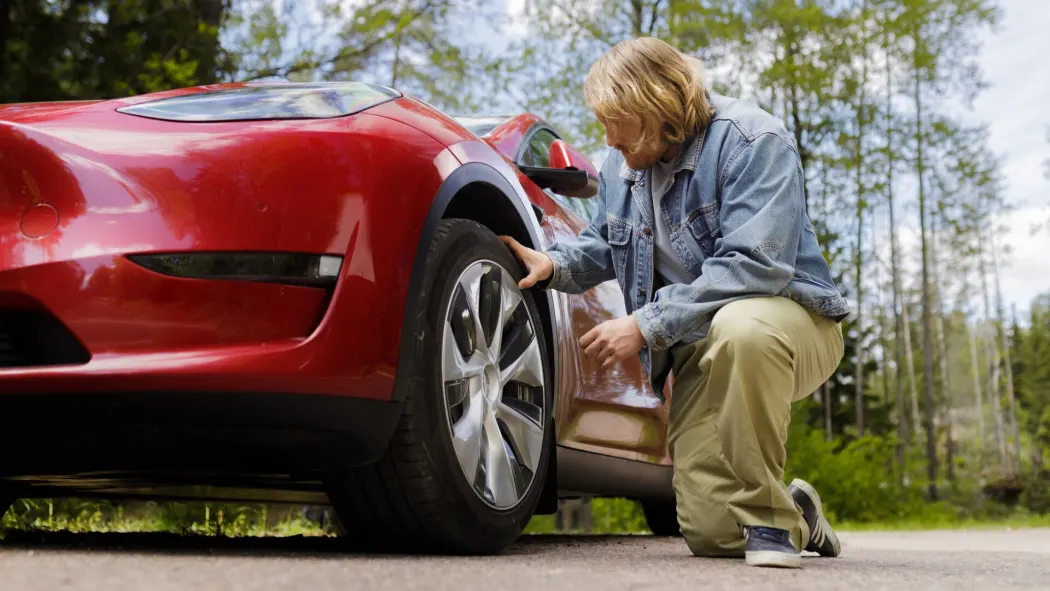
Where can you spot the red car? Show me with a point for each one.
(295, 292)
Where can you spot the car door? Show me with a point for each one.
(612, 411)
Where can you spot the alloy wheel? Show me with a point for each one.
(492, 372)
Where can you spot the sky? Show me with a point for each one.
(1017, 105)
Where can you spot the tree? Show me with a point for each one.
(1032, 375)
(92, 49)
(416, 46)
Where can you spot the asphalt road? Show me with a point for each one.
(927, 561)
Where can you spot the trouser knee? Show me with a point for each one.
(707, 541)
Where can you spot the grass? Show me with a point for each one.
(1013, 522)
(607, 516)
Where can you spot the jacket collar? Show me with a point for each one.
(688, 158)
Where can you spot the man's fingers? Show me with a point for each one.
(514, 245)
(529, 280)
(589, 337)
(597, 348)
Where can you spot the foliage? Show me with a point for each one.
(415, 46)
(607, 516)
(62, 50)
(90, 515)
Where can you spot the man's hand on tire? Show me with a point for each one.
(539, 265)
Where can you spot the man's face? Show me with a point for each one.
(621, 135)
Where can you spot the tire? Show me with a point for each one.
(417, 497)
(661, 517)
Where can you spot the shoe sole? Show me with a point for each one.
(822, 522)
(773, 559)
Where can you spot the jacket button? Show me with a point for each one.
(646, 231)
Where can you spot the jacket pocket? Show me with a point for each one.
(702, 224)
(620, 245)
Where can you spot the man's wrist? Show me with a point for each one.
(554, 267)
(556, 280)
(653, 332)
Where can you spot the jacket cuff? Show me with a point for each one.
(561, 278)
(656, 336)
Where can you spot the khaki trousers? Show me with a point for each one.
(730, 407)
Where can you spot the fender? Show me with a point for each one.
(407, 378)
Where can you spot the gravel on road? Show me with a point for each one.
(983, 560)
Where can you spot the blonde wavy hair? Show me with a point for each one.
(646, 79)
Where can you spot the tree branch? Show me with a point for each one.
(596, 33)
(653, 15)
(347, 53)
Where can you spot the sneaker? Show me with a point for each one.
(766, 546)
(822, 540)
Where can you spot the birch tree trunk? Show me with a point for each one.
(1014, 464)
(991, 350)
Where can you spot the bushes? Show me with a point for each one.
(1036, 494)
(91, 515)
(856, 481)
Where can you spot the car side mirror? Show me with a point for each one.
(569, 173)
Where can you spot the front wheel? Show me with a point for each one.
(466, 466)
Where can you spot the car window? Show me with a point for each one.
(480, 126)
(537, 152)
(581, 207)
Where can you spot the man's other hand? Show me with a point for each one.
(613, 341)
(539, 265)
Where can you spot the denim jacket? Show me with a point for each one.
(738, 223)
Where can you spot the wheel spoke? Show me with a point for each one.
(524, 431)
(454, 366)
(502, 475)
(467, 435)
(470, 283)
(509, 299)
(490, 306)
(527, 368)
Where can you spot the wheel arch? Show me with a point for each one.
(477, 192)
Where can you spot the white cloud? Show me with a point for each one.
(517, 26)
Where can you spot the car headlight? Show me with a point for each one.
(290, 268)
(267, 101)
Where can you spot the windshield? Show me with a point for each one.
(480, 126)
